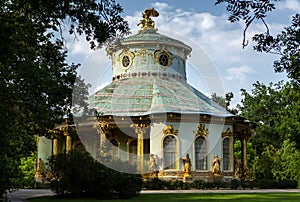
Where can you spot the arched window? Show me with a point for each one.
(200, 153)
(133, 152)
(226, 154)
(170, 152)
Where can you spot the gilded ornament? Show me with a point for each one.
(139, 128)
(126, 59)
(227, 133)
(202, 131)
(163, 58)
(216, 163)
(170, 130)
(187, 166)
(147, 23)
(142, 53)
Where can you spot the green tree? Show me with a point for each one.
(287, 165)
(36, 82)
(286, 44)
(224, 102)
(275, 109)
(250, 152)
(27, 169)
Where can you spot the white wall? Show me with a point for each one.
(186, 137)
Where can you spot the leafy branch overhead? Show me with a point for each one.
(36, 80)
(248, 11)
(286, 44)
(98, 20)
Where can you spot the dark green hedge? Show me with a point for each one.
(158, 184)
(77, 174)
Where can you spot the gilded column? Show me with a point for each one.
(68, 139)
(55, 146)
(103, 129)
(140, 130)
(68, 143)
(244, 153)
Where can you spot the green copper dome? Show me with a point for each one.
(144, 96)
(149, 77)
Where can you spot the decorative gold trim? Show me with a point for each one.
(227, 133)
(142, 53)
(157, 55)
(202, 131)
(139, 128)
(103, 127)
(129, 54)
(169, 130)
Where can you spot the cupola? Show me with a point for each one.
(148, 53)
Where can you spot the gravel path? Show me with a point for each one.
(22, 194)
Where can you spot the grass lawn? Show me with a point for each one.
(210, 197)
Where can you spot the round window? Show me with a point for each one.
(163, 59)
(125, 61)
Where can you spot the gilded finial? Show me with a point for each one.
(147, 23)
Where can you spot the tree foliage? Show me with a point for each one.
(286, 44)
(27, 168)
(224, 102)
(36, 81)
(248, 11)
(275, 108)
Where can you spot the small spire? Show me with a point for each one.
(147, 23)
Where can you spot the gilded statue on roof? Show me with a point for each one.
(147, 22)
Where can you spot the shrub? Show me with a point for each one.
(275, 184)
(127, 185)
(78, 174)
(154, 184)
(199, 184)
(27, 169)
(234, 184)
(178, 184)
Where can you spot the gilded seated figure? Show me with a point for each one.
(153, 165)
(216, 166)
(187, 166)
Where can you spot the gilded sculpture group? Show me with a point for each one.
(216, 171)
(147, 22)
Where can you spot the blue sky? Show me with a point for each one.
(205, 27)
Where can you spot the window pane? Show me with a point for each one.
(226, 154)
(200, 152)
(169, 146)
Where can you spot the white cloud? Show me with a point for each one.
(293, 5)
(78, 46)
(161, 6)
(239, 73)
